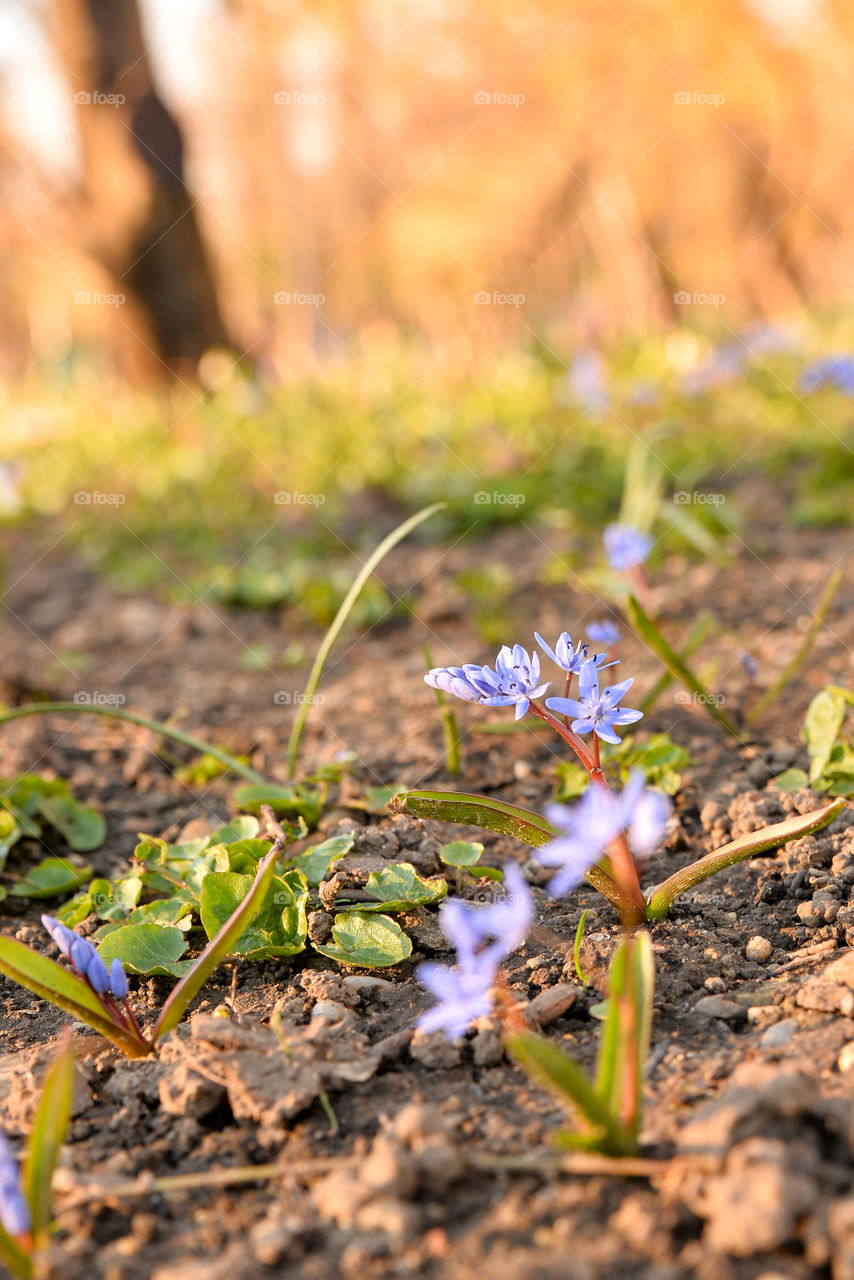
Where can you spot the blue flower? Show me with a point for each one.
(118, 980)
(565, 656)
(482, 938)
(838, 371)
(593, 710)
(625, 546)
(751, 666)
(719, 367)
(86, 961)
(14, 1210)
(513, 682)
(605, 632)
(585, 379)
(589, 827)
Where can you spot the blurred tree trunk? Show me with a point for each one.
(139, 219)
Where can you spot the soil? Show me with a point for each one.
(398, 1153)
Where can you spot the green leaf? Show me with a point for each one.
(49, 980)
(244, 855)
(82, 827)
(244, 827)
(367, 941)
(399, 888)
(146, 948)
(791, 780)
(285, 799)
(563, 1077)
(461, 853)
(508, 819)
(316, 861)
(217, 949)
(278, 928)
(13, 1257)
(52, 877)
(52, 1118)
(822, 726)
(649, 633)
(10, 834)
(748, 846)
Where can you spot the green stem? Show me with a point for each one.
(157, 726)
(338, 621)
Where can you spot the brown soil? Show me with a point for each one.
(431, 1167)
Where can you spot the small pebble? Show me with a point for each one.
(845, 1061)
(810, 914)
(758, 949)
(715, 984)
(781, 1033)
(718, 1007)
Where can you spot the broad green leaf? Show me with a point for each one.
(822, 726)
(217, 949)
(146, 948)
(244, 855)
(791, 780)
(316, 861)
(285, 799)
(244, 827)
(52, 1118)
(82, 827)
(508, 819)
(461, 853)
(649, 633)
(49, 980)
(52, 877)
(279, 926)
(399, 887)
(748, 846)
(367, 941)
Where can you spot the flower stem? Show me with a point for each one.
(568, 736)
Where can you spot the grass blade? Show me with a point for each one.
(49, 980)
(50, 1126)
(576, 948)
(508, 820)
(789, 672)
(646, 630)
(739, 850)
(157, 726)
(218, 947)
(396, 535)
(450, 727)
(692, 642)
(13, 1258)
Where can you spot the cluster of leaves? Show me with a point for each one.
(831, 749)
(661, 759)
(27, 803)
(149, 912)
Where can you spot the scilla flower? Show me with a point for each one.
(565, 656)
(625, 546)
(85, 959)
(605, 632)
(588, 827)
(14, 1210)
(482, 938)
(595, 711)
(514, 681)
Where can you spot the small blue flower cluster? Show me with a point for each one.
(14, 1210)
(482, 938)
(625, 546)
(516, 680)
(85, 959)
(835, 371)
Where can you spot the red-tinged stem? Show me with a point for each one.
(639, 583)
(568, 736)
(566, 690)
